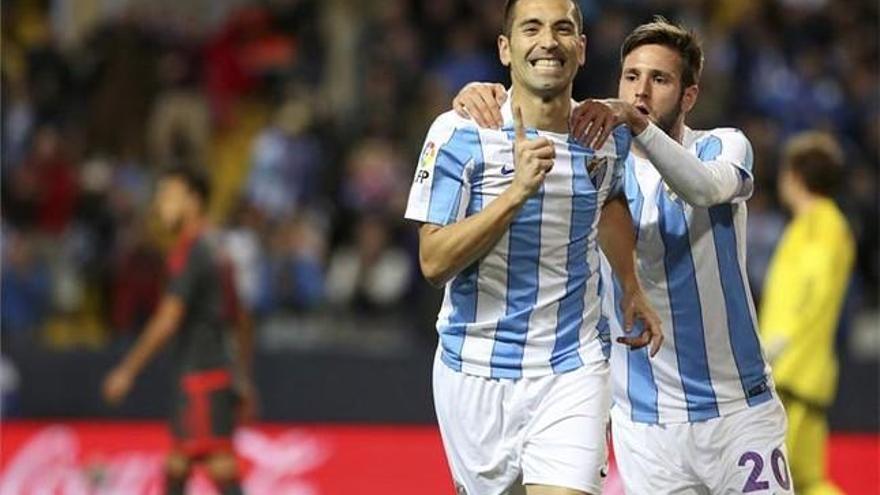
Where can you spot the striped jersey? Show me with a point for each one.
(531, 305)
(692, 264)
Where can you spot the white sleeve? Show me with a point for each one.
(721, 172)
(440, 185)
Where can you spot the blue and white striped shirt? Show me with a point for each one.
(531, 305)
(691, 262)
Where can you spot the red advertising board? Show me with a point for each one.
(126, 458)
(97, 458)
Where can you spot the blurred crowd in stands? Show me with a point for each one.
(310, 115)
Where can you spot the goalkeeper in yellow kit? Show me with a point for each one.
(803, 298)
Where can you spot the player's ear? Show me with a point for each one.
(582, 49)
(689, 98)
(504, 50)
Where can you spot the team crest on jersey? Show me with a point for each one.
(596, 169)
(426, 162)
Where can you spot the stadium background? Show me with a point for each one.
(309, 116)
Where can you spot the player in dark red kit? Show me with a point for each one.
(196, 313)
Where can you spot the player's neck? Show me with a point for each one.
(677, 132)
(544, 114)
(801, 202)
(192, 226)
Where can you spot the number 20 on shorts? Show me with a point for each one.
(755, 481)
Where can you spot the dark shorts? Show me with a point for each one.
(203, 417)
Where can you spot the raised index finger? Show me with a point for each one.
(518, 125)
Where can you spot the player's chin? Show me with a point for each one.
(548, 87)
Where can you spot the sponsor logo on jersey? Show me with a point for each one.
(426, 162)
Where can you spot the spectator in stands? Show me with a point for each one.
(293, 274)
(25, 290)
(371, 274)
(286, 164)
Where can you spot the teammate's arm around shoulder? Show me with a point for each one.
(481, 101)
(593, 121)
(719, 172)
(448, 244)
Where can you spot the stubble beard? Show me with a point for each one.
(667, 121)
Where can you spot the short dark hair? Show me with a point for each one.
(664, 33)
(508, 17)
(194, 177)
(817, 159)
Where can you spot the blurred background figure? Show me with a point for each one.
(287, 165)
(805, 291)
(25, 287)
(196, 315)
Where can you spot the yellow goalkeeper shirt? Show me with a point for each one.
(803, 296)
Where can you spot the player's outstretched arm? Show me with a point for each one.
(445, 251)
(160, 328)
(699, 183)
(617, 240)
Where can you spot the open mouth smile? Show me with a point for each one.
(547, 63)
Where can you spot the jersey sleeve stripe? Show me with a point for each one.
(712, 147)
(449, 179)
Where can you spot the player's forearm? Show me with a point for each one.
(158, 331)
(245, 345)
(698, 183)
(150, 342)
(618, 242)
(446, 251)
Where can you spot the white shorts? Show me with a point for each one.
(547, 430)
(743, 452)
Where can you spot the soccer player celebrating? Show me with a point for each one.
(195, 313)
(803, 298)
(510, 220)
(702, 417)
